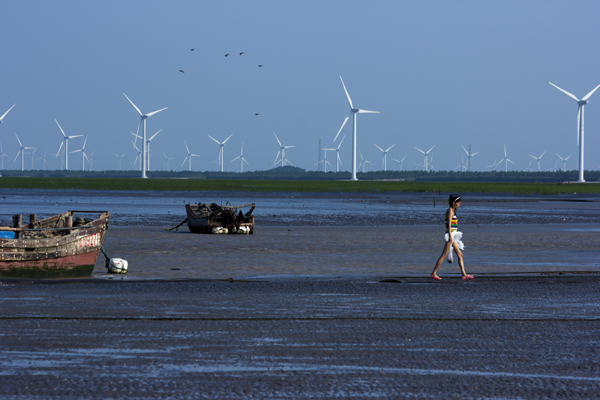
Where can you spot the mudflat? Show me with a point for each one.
(492, 337)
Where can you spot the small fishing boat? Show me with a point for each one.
(64, 245)
(213, 218)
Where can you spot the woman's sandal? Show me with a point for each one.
(468, 277)
(435, 278)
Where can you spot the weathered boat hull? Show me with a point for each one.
(72, 254)
(219, 220)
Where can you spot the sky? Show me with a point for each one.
(443, 73)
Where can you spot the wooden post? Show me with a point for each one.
(32, 220)
(17, 223)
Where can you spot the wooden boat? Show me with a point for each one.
(54, 247)
(212, 218)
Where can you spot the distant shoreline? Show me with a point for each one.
(300, 185)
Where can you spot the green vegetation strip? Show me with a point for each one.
(228, 185)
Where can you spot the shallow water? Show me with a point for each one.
(324, 234)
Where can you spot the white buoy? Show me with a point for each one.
(117, 266)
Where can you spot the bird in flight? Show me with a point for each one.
(191, 49)
(241, 53)
(181, 71)
(227, 55)
(260, 65)
(257, 114)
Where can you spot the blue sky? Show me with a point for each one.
(441, 73)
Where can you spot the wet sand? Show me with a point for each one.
(501, 337)
(154, 253)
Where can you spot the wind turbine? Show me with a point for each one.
(281, 151)
(22, 151)
(120, 157)
(469, 154)
(44, 162)
(189, 157)
(66, 141)
(4, 115)
(338, 161)
(221, 146)
(168, 160)
(564, 160)
(148, 147)
(353, 112)
(538, 159)
(143, 122)
(32, 157)
(83, 155)
(400, 161)
(241, 158)
(2, 155)
(426, 157)
(580, 104)
(462, 166)
(364, 162)
(325, 162)
(506, 160)
(384, 161)
(495, 164)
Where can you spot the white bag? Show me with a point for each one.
(456, 237)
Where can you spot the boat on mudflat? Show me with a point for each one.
(64, 245)
(213, 218)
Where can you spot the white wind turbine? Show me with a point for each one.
(221, 146)
(143, 122)
(506, 160)
(581, 103)
(384, 161)
(364, 163)
(564, 160)
(241, 158)
(538, 159)
(2, 155)
(325, 162)
(168, 161)
(22, 152)
(426, 163)
(353, 112)
(494, 165)
(4, 115)
(400, 161)
(281, 151)
(189, 157)
(66, 142)
(120, 157)
(83, 154)
(462, 166)
(338, 161)
(469, 154)
(148, 148)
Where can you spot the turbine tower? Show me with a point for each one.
(580, 103)
(241, 158)
(22, 152)
(538, 159)
(506, 160)
(4, 115)
(120, 157)
(281, 151)
(353, 112)
(143, 122)
(469, 154)
(83, 155)
(2, 155)
(325, 162)
(384, 161)
(564, 160)
(221, 146)
(426, 157)
(66, 142)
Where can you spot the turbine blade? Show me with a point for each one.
(463, 147)
(59, 149)
(188, 150)
(4, 115)
(341, 141)
(184, 160)
(155, 134)
(344, 123)
(277, 139)
(587, 96)
(430, 149)
(347, 95)
(565, 92)
(214, 139)
(378, 147)
(389, 148)
(156, 112)
(18, 140)
(474, 154)
(543, 154)
(227, 138)
(276, 157)
(420, 150)
(17, 156)
(367, 112)
(134, 106)
(235, 159)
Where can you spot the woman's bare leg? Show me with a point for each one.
(441, 259)
(459, 254)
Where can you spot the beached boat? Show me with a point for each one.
(64, 245)
(212, 218)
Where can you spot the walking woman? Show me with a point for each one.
(452, 238)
